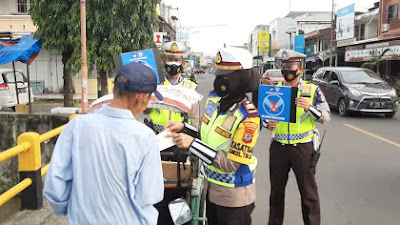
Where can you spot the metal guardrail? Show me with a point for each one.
(30, 169)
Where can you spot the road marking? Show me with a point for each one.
(373, 135)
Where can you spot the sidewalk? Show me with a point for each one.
(60, 96)
(44, 216)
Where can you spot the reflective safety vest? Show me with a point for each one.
(303, 129)
(218, 130)
(160, 117)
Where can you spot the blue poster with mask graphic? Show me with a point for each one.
(149, 57)
(277, 103)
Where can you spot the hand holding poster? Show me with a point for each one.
(277, 103)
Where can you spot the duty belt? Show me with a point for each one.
(292, 137)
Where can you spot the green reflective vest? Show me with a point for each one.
(218, 130)
(160, 117)
(303, 129)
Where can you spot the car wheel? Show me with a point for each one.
(389, 115)
(343, 111)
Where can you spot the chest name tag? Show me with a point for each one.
(223, 133)
(306, 92)
(229, 122)
(205, 119)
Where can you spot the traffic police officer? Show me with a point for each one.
(173, 60)
(229, 130)
(292, 145)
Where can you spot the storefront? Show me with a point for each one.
(359, 54)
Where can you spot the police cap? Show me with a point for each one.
(231, 59)
(287, 57)
(174, 49)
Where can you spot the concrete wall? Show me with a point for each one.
(17, 24)
(8, 7)
(12, 125)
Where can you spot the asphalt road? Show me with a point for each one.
(358, 174)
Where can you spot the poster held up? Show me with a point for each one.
(277, 103)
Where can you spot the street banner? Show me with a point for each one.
(158, 38)
(345, 23)
(264, 39)
(299, 43)
(277, 103)
(149, 57)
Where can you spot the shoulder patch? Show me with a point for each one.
(250, 108)
(212, 94)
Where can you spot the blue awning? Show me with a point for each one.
(24, 50)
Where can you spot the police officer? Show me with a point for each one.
(229, 130)
(292, 145)
(173, 60)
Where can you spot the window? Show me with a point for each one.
(393, 12)
(362, 32)
(23, 6)
(319, 74)
(333, 76)
(326, 76)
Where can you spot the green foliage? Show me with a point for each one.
(376, 59)
(114, 27)
(54, 20)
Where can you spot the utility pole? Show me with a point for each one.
(84, 63)
(332, 19)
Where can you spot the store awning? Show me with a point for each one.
(25, 50)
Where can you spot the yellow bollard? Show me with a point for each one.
(29, 163)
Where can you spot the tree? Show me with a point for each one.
(54, 21)
(114, 27)
(376, 60)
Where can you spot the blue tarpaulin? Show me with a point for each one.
(22, 51)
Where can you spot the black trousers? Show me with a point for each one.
(282, 158)
(220, 215)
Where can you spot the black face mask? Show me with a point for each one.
(173, 68)
(221, 86)
(289, 75)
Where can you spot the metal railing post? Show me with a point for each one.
(29, 163)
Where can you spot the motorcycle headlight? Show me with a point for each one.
(393, 93)
(355, 92)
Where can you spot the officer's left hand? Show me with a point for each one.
(174, 126)
(302, 103)
(182, 140)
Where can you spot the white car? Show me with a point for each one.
(8, 97)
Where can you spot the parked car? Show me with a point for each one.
(356, 90)
(8, 97)
(274, 75)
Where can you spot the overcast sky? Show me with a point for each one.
(215, 22)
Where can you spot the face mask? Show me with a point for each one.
(289, 75)
(173, 68)
(221, 86)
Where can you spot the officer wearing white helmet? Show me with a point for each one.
(226, 139)
(173, 60)
(292, 145)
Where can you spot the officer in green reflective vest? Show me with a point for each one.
(293, 145)
(173, 52)
(225, 143)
